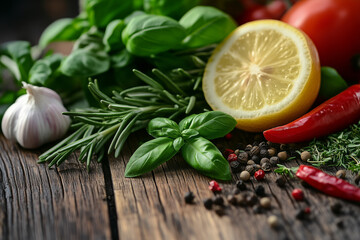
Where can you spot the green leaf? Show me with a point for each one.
(210, 125)
(206, 25)
(65, 29)
(178, 143)
(121, 59)
(163, 127)
(44, 69)
(112, 37)
(101, 12)
(17, 58)
(189, 133)
(171, 8)
(331, 83)
(149, 156)
(150, 34)
(203, 155)
(86, 63)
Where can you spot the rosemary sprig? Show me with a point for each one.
(126, 112)
(340, 149)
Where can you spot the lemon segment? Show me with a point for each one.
(266, 73)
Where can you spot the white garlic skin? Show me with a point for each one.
(35, 118)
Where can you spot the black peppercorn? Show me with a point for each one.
(251, 169)
(248, 147)
(219, 210)
(257, 209)
(301, 214)
(260, 190)
(266, 166)
(243, 157)
(189, 197)
(274, 161)
(251, 199)
(336, 208)
(264, 160)
(280, 181)
(255, 150)
(218, 200)
(263, 145)
(264, 153)
(235, 166)
(240, 185)
(232, 199)
(256, 159)
(340, 223)
(208, 202)
(255, 143)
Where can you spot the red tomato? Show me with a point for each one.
(334, 27)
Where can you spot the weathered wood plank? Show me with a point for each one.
(152, 206)
(38, 203)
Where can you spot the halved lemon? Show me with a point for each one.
(265, 73)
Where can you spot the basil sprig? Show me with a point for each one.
(191, 137)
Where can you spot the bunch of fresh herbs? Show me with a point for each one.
(341, 149)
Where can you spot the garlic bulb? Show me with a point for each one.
(35, 118)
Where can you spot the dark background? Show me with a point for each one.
(27, 19)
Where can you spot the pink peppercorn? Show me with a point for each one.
(259, 174)
(228, 136)
(214, 186)
(232, 157)
(298, 194)
(227, 152)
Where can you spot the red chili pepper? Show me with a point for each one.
(331, 116)
(328, 184)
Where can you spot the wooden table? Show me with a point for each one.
(70, 203)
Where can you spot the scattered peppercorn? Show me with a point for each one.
(232, 157)
(271, 152)
(264, 160)
(282, 156)
(241, 200)
(240, 185)
(301, 214)
(336, 208)
(208, 202)
(281, 181)
(214, 186)
(255, 159)
(297, 194)
(235, 191)
(251, 199)
(263, 152)
(266, 166)
(227, 152)
(257, 209)
(273, 221)
(237, 152)
(305, 156)
(243, 157)
(228, 136)
(340, 223)
(218, 200)
(248, 147)
(283, 147)
(255, 150)
(260, 190)
(265, 202)
(307, 210)
(259, 175)
(245, 175)
(250, 162)
(189, 197)
(341, 174)
(235, 166)
(219, 210)
(274, 161)
(232, 199)
(263, 145)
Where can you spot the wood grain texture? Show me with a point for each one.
(41, 203)
(69, 203)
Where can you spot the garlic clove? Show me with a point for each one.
(35, 118)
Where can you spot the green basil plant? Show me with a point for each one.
(191, 137)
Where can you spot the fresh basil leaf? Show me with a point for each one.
(102, 12)
(189, 133)
(65, 29)
(331, 83)
(42, 71)
(149, 156)
(178, 143)
(204, 156)
(86, 63)
(146, 35)
(163, 127)
(210, 125)
(206, 25)
(170, 8)
(132, 15)
(17, 58)
(92, 39)
(121, 59)
(112, 37)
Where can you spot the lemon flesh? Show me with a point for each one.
(266, 73)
